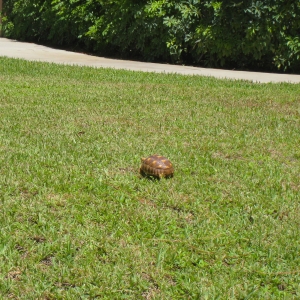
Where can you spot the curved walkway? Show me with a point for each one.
(34, 52)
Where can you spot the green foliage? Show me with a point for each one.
(235, 34)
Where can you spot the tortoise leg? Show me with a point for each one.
(143, 174)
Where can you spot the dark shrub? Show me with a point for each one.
(233, 34)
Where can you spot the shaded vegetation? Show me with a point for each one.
(257, 35)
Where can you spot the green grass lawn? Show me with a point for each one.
(78, 222)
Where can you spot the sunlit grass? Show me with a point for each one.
(77, 221)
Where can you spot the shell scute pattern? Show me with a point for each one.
(156, 166)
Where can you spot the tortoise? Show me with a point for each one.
(156, 166)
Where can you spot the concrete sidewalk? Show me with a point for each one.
(34, 52)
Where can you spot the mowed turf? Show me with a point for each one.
(78, 222)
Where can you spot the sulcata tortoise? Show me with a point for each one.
(156, 166)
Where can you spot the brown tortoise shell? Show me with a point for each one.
(156, 166)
